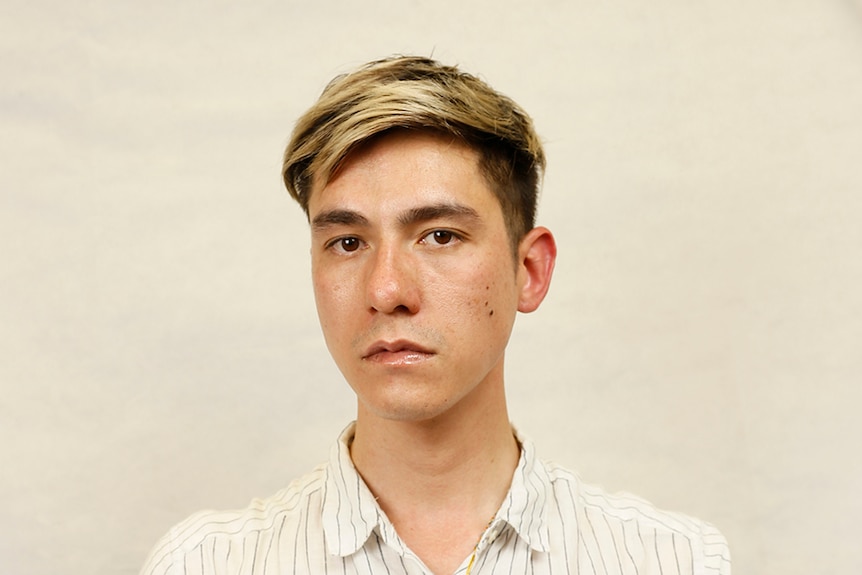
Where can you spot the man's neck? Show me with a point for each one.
(441, 480)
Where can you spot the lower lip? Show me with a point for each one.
(395, 358)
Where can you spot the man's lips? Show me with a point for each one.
(399, 352)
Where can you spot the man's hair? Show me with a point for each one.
(416, 93)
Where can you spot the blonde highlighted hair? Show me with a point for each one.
(416, 93)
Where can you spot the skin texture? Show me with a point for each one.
(417, 292)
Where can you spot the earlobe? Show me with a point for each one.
(537, 255)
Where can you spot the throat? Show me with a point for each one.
(440, 496)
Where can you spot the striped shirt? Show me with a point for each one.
(328, 522)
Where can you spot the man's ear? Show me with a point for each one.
(537, 253)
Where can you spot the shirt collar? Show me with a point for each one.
(526, 505)
(350, 512)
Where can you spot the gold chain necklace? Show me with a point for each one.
(476, 548)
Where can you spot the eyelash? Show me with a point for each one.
(451, 235)
(337, 243)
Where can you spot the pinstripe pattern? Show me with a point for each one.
(328, 522)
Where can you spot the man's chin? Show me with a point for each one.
(406, 410)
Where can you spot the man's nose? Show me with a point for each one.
(391, 284)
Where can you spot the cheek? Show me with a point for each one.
(330, 284)
(330, 297)
(484, 296)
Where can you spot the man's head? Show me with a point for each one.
(420, 184)
(416, 93)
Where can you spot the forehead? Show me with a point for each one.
(403, 167)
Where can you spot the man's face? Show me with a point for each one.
(414, 279)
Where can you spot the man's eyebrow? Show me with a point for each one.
(437, 211)
(338, 218)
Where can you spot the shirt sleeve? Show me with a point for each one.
(716, 552)
(160, 560)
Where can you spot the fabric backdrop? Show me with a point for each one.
(700, 345)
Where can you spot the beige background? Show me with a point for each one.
(700, 345)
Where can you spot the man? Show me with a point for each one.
(420, 185)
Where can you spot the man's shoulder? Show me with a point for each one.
(214, 529)
(605, 519)
(619, 506)
(260, 514)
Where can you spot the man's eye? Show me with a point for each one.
(348, 244)
(440, 237)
